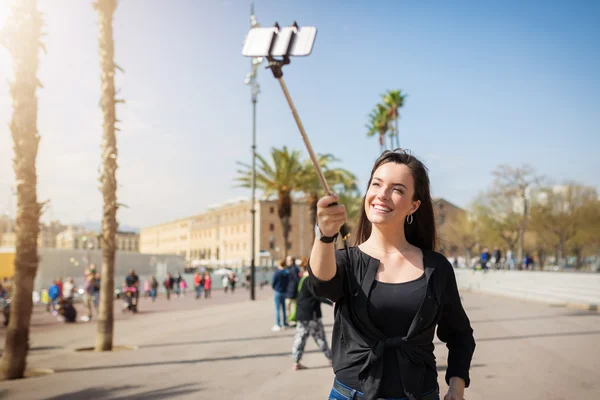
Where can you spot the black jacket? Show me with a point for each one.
(357, 341)
(308, 306)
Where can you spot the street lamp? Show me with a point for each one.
(254, 90)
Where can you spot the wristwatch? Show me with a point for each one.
(322, 238)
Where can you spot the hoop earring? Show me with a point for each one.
(409, 219)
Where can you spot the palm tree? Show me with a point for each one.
(352, 199)
(337, 178)
(282, 178)
(378, 124)
(22, 39)
(104, 335)
(393, 100)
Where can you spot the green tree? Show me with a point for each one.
(512, 187)
(563, 213)
(22, 39)
(282, 178)
(379, 124)
(464, 229)
(497, 219)
(105, 10)
(338, 179)
(393, 101)
(351, 198)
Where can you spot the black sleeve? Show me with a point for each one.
(332, 289)
(455, 330)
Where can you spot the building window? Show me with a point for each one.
(271, 227)
(272, 210)
(289, 245)
(272, 243)
(290, 229)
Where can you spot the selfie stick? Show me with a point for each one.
(275, 66)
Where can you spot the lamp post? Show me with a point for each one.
(254, 90)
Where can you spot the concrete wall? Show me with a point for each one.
(581, 290)
(61, 262)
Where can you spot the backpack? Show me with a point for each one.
(53, 292)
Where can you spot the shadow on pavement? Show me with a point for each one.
(179, 362)
(211, 341)
(113, 393)
(292, 332)
(537, 335)
(534, 317)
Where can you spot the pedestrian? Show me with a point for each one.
(153, 288)
(279, 284)
(391, 291)
(183, 286)
(54, 294)
(292, 289)
(146, 288)
(169, 283)
(225, 282)
(177, 284)
(232, 281)
(308, 321)
(198, 284)
(69, 289)
(207, 285)
(89, 288)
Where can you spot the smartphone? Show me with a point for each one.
(258, 42)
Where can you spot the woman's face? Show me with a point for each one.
(389, 198)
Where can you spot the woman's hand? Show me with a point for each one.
(456, 391)
(330, 219)
(453, 394)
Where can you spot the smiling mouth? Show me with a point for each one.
(383, 209)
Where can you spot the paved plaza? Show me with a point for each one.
(224, 349)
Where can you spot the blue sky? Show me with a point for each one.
(488, 83)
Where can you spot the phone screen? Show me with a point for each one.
(258, 42)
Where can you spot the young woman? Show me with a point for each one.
(391, 291)
(308, 317)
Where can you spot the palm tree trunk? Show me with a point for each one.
(396, 132)
(284, 210)
(24, 31)
(104, 334)
(522, 230)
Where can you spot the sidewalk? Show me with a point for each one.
(227, 351)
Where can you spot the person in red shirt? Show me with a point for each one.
(198, 284)
(207, 284)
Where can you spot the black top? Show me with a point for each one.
(358, 341)
(402, 301)
(131, 280)
(308, 306)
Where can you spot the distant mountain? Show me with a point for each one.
(97, 227)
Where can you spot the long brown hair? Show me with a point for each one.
(421, 233)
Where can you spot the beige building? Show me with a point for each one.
(75, 237)
(222, 235)
(46, 238)
(445, 214)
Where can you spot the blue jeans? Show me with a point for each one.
(280, 305)
(335, 395)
